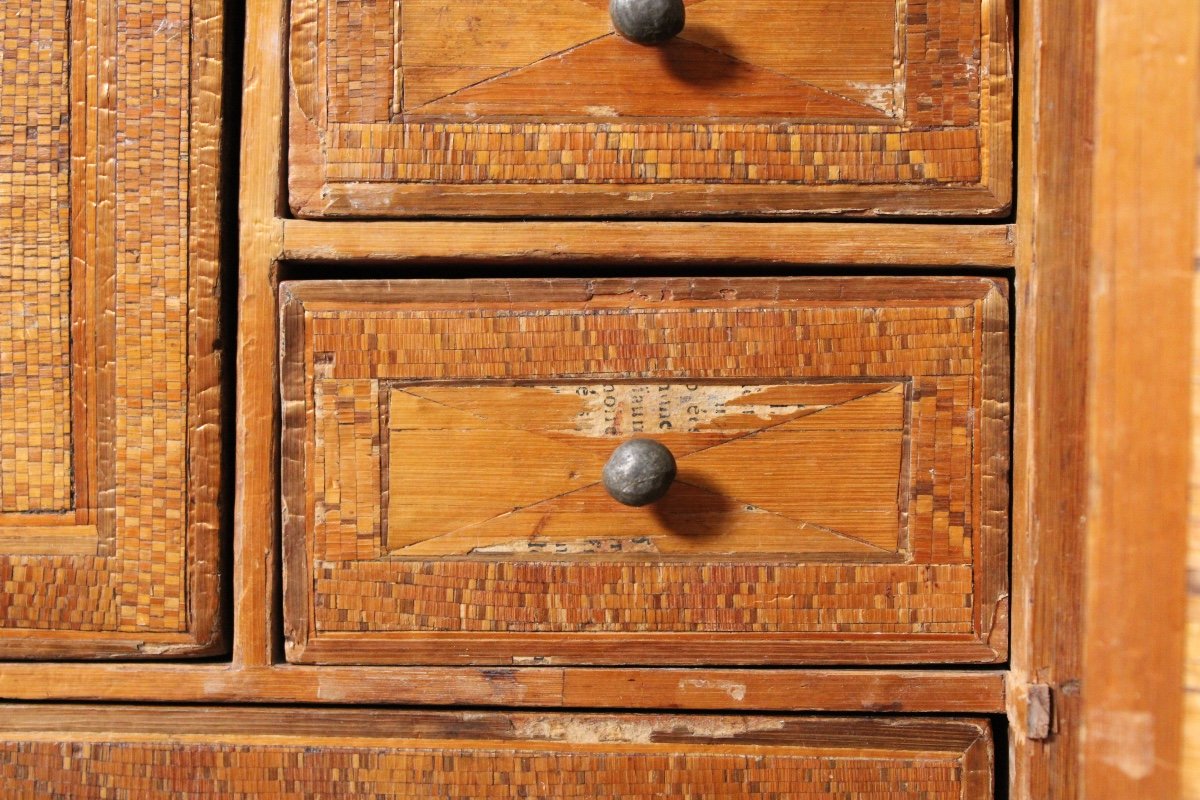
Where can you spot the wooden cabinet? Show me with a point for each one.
(110, 396)
(921, 540)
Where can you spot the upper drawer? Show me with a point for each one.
(863, 107)
(841, 450)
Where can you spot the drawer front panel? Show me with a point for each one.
(503, 106)
(253, 753)
(833, 488)
(840, 494)
(109, 397)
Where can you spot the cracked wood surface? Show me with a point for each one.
(842, 470)
(785, 107)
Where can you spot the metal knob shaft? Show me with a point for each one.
(647, 21)
(639, 472)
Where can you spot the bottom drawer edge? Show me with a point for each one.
(91, 752)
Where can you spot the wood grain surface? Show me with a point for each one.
(443, 443)
(1049, 475)
(883, 691)
(260, 241)
(110, 404)
(1143, 217)
(793, 107)
(1059, 57)
(257, 753)
(682, 245)
(1190, 767)
(1103, 248)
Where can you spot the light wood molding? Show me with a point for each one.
(832, 690)
(743, 245)
(1102, 251)
(260, 242)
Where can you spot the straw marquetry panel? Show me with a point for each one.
(176, 752)
(109, 403)
(842, 470)
(35, 259)
(759, 106)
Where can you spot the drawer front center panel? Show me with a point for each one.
(763, 470)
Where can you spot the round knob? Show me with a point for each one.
(647, 21)
(639, 472)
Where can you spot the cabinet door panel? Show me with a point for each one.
(109, 395)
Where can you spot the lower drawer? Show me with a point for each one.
(840, 494)
(82, 752)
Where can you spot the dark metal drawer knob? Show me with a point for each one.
(639, 472)
(647, 21)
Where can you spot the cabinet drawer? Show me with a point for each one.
(841, 491)
(757, 107)
(197, 752)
